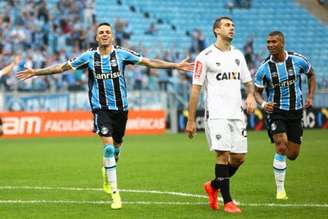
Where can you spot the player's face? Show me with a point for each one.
(275, 45)
(226, 29)
(104, 35)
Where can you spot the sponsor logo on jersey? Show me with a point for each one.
(97, 63)
(198, 69)
(109, 75)
(228, 76)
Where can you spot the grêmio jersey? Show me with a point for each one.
(282, 80)
(221, 74)
(106, 82)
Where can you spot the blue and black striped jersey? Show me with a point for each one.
(107, 87)
(282, 81)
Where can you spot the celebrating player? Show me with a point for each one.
(107, 94)
(280, 75)
(222, 68)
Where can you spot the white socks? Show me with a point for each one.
(279, 169)
(110, 167)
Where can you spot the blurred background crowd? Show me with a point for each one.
(44, 32)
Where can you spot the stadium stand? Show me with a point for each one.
(54, 30)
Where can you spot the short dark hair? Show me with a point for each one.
(277, 33)
(104, 24)
(217, 22)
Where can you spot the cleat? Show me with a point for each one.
(106, 186)
(212, 196)
(281, 195)
(116, 203)
(230, 207)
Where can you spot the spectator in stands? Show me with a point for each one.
(197, 41)
(152, 30)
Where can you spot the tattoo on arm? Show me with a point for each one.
(55, 69)
(249, 88)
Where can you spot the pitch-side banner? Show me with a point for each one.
(312, 118)
(58, 124)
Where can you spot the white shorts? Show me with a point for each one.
(226, 135)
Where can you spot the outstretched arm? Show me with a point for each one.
(55, 69)
(157, 63)
(312, 85)
(9, 68)
(191, 124)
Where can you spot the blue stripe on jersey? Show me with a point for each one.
(284, 78)
(103, 92)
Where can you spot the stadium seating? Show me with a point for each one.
(304, 33)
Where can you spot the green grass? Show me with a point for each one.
(164, 163)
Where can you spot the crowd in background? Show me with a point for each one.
(48, 34)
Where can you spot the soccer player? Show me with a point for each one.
(280, 76)
(222, 68)
(107, 94)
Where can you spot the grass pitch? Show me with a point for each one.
(159, 177)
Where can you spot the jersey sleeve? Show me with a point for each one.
(245, 74)
(131, 57)
(199, 72)
(305, 64)
(81, 61)
(259, 77)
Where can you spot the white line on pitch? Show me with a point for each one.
(323, 205)
(155, 203)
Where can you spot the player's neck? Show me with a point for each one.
(105, 50)
(279, 57)
(223, 45)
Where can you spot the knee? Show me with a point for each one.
(109, 150)
(281, 147)
(237, 161)
(292, 156)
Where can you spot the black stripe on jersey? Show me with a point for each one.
(291, 87)
(275, 83)
(101, 85)
(91, 80)
(116, 81)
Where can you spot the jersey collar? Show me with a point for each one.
(106, 54)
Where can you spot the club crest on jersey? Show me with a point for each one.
(218, 137)
(237, 61)
(218, 64)
(273, 126)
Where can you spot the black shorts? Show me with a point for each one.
(110, 123)
(289, 122)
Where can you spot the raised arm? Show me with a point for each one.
(311, 87)
(191, 124)
(54, 69)
(9, 68)
(157, 63)
(250, 101)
